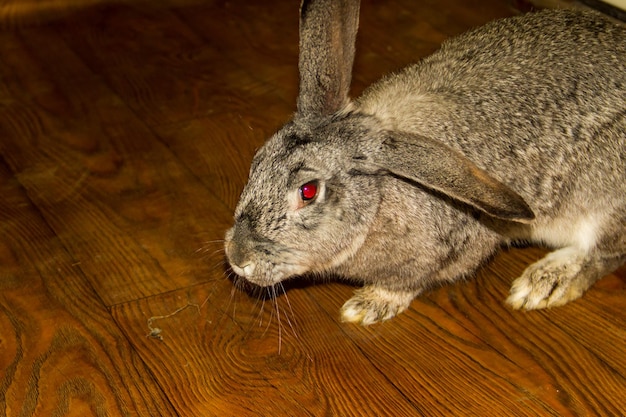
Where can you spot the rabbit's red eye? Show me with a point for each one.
(308, 191)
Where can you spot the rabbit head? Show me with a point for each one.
(315, 187)
(304, 207)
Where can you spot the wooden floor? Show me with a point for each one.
(126, 132)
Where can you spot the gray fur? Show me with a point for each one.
(512, 131)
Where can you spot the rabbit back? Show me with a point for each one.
(537, 100)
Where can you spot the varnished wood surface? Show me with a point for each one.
(126, 133)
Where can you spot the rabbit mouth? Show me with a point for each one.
(266, 274)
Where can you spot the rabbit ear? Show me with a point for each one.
(327, 36)
(440, 168)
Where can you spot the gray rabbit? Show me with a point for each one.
(515, 131)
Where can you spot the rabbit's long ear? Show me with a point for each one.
(327, 39)
(438, 167)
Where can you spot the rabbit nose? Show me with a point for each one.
(237, 258)
(238, 262)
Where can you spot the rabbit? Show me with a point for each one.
(512, 132)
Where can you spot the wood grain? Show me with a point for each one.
(253, 362)
(60, 350)
(106, 190)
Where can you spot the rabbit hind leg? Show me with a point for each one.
(565, 274)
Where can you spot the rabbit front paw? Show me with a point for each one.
(553, 281)
(373, 304)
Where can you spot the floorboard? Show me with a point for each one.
(103, 181)
(60, 350)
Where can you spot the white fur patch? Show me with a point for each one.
(581, 234)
